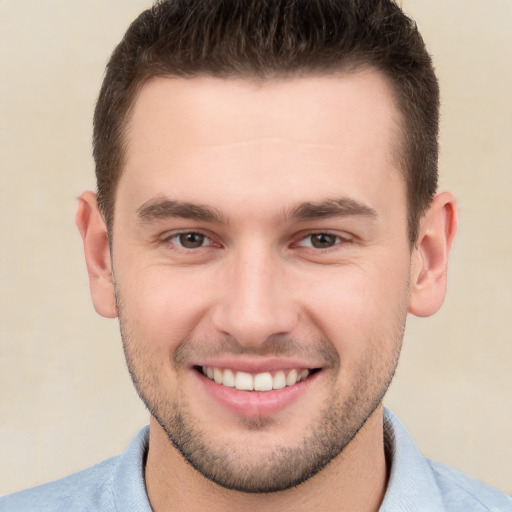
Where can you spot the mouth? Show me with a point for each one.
(263, 381)
(253, 388)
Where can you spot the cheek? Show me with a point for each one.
(359, 308)
(163, 306)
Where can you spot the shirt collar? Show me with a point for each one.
(411, 486)
(129, 489)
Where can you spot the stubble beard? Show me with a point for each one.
(282, 467)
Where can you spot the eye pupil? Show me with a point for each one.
(191, 240)
(323, 240)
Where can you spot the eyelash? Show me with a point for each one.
(339, 240)
(175, 236)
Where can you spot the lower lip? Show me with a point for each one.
(253, 404)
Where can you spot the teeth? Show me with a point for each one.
(218, 376)
(260, 382)
(244, 381)
(229, 379)
(291, 378)
(263, 382)
(279, 381)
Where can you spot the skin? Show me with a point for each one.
(258, 159)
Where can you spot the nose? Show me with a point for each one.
(256, 300)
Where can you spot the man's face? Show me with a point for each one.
(260, 238)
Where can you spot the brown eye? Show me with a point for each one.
(323, 240)
(191, 240)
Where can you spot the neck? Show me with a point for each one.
(355, 480)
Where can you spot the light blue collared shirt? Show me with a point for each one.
(416, 484)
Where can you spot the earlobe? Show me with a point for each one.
(97, 254)
(430, 256)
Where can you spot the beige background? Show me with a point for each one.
(66, 400)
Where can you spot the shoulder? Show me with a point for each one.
(418, 484)
(461, 492)
(114, 484)
(90, 489)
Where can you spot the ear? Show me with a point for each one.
(430, 256)
(97, 254)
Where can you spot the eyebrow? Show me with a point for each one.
(342, 207)
(161, 209)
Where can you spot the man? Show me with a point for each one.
(266, 217)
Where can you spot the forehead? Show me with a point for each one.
(264, 107)
(307, 135)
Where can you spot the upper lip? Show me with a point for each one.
(256, 365)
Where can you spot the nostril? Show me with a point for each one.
(253, 326)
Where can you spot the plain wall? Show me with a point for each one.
(66, 400)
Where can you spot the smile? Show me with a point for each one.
(256, 389)
(266, 381)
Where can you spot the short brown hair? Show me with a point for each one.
(270, 38)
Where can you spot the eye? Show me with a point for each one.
(320, 241)
(189, 240)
